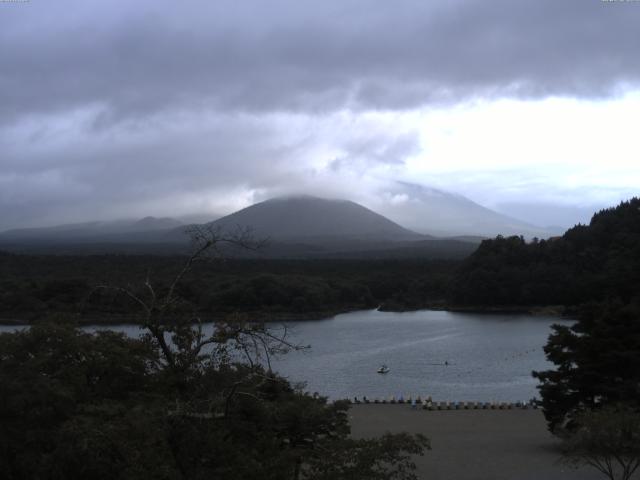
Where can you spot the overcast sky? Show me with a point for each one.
(132, 108)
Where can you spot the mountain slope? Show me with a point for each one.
(92, 231)
(436, 212)
(310, 218)
(295, 227)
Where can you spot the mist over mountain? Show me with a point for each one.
(313, 227)
(92, 231)
(437, 212)
(553, 216)
(304, 226)
(306, 217)
(294, 226)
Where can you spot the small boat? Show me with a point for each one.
(383, 369)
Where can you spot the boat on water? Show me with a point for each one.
(383, 369)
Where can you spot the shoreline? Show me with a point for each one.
(536, 310)
(274, 317)
(557, 310)
(115, 319)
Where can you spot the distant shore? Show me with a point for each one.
(553, 310)
(265, 316)
(116, 319)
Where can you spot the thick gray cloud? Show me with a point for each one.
(133, 169)
(363, 152)
(192, 163)
(139, 57)
(111, 109)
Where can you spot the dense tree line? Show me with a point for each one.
(37, 287)
(591, 262)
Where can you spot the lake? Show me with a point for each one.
(490, 356)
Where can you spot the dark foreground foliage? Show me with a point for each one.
(607, 439)
(75, 405)
(597, 363)
(177, 403)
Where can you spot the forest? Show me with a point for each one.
(34, 288)
(588, 263)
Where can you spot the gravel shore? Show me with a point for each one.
(474, 444)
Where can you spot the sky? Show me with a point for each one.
(124, 109)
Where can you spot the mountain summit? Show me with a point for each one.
(305, 217)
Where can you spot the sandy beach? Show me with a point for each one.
(474, 444)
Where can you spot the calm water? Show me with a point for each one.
(490, 356)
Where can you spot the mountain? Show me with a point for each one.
(92, 231)
(306, 218)
(312, 227)
(153, 223)
(294, 227)
(436, 212)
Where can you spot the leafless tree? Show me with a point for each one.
(182, 341)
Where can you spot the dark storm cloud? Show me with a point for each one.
(126, 169)
(121, 108)
(138, 57)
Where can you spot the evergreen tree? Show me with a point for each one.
(597, 363)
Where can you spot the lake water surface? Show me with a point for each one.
(490, 357)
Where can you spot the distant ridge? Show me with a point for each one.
(94, 231)
(294, 227)
(444, 214)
